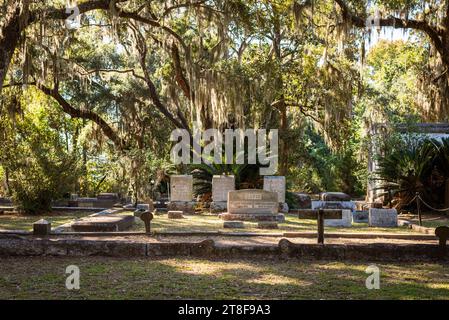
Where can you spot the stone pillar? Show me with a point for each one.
(41, 228)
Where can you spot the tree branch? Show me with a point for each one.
(432, 32)
(84, 114)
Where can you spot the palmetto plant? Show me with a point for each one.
(405, 171)
(203, 173)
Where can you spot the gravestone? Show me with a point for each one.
(181, 194)
(275, 184)
(233, 225)
(345, 221)
(41, 228)
(103, 223)
(335, 196)
(86, 202)
(383, 217)
(181, 188)
(267, 225)
(221, 185)
(252, 204)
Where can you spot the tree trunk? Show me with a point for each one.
(10, 31)
(281, 105)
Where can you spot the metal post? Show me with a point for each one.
(418, 206)
(320, 222)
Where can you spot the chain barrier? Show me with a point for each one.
(429, 206)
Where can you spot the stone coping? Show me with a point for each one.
(20, 246)
(346, 235)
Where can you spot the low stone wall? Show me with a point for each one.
(27, 246)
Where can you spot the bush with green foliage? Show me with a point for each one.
(414, 165)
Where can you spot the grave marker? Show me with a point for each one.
(275, 184)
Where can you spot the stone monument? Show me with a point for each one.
(252, 205)
(276, 184)
(383, 217)
(345, 221)
(181, 194)
(221, 185)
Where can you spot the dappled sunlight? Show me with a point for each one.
(275, 279)
(207, 267)
(25, 222)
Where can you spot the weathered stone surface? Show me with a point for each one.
(188, 207)
(108, 196)
(275, 184)
(218, 206)
(335, 196)
(267, 225)
(302, 200)
(103, 223)
(360, 216)
(252, 217)
(233, 224)
(348, 205)
(145, 206)
(252, 201)
(86, 202)
(383, 217)
(175, 215)
(41, 228)
(181, 188)
(221, 185)
(345, 221)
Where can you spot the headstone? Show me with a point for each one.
(345, 221)
(181, 188)
(221, 185)
(275, 184)
(335, 196)
(383, 217)
(252, 205)
(86, 202)
(41, 228)
(252, 201)
(103, 223)
(320, 204)
(267, 225)
(233, 224)
(108, 196)
(175, 215)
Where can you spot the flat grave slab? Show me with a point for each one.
(104, 223)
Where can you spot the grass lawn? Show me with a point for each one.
(204, 222)
(25, 222)
(161, 223)
(185, 278)
(429, 219)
